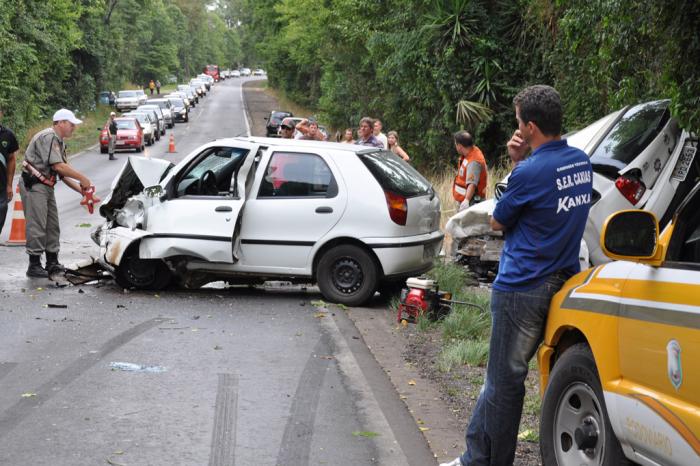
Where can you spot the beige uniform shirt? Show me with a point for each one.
(44, 150)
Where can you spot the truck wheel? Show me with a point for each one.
(574, 428)
(142, 274)
(346, 274)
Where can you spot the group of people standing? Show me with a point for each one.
(154, 85)
(369, 133)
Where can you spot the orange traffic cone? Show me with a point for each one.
(18, 231)
(171, 145)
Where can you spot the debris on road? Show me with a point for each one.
(131, 367)
(57, 306)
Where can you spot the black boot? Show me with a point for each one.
(52, 264)
(35, 269)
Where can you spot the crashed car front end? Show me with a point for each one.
(125, 209)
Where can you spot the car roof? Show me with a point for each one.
(301, 143)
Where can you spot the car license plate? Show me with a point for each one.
(680, 172)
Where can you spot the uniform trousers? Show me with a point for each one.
(41, 215)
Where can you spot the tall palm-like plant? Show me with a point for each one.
(453, 22)
(471, 114)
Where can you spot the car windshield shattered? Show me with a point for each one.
(394, 174)
(632, 134)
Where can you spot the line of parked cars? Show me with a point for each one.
(143, 121)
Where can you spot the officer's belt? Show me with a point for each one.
(49, 181)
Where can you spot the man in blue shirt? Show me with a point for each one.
(542, 214)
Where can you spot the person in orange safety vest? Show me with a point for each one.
(469, 186)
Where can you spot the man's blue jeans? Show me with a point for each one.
(518, 320)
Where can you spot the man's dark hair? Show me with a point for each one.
(464, 138)
(542, 105)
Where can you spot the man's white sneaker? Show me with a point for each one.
(455, 462)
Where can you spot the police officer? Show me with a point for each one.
(8, 153)
(44, 161)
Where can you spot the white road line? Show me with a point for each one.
(387, 446)
(245, 112)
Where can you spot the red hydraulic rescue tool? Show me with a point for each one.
(88, 199)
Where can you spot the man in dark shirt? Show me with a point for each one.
(365, 134)
(8, 153)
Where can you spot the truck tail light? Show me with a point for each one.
(631, 187)
(398, 207)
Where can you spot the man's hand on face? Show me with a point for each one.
(517, 147)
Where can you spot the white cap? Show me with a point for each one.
(65, 114)
(112, 114)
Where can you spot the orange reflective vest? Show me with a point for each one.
(459, 186)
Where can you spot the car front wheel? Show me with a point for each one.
(142, 274)
(347, 275)
(574, 428)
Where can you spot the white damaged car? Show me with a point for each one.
(244, 210)
(641, 159)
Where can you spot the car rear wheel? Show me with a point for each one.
(103, 150)
(142, 274)
(140, 147)
(574, 428)
(347, 275)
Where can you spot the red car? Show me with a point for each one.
(129, 135)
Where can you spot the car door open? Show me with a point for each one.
(200, 216)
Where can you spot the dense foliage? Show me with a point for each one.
(63, 52)
(430, 67)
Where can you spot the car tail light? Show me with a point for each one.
(398, 207)
(631, 187)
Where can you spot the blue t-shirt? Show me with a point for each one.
(544, 211)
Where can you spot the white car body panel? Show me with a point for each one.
(279, 233)
(277, 236)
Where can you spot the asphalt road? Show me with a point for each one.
(220, 376)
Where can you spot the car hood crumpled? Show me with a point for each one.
(136, 174)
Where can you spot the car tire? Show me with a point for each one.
(142, 274)
(103, 150)
(162, 132)
(140, 148)
(574, 427)
(347, 274)
(171, 125)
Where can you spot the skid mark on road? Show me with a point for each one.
(15, 414)
(223, 440)
(298, 433)
(6, 367)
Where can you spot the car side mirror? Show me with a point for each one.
(630, 235)
(155, 191)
